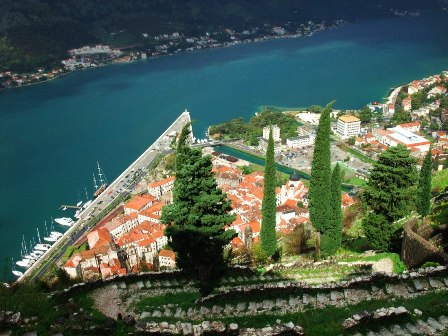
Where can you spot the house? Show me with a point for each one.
(225, 175)
(414, 87)
(407, 104)
(294, 190)
(98, 237)
(139, 203)
(348, 126)
(157, 189)
(122, 224)
(413, 127)
(167, 259)
(438, 90)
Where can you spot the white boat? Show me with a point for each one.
(64, 221)
(86, 204)
(51, 239)
(16, 273)
(30, 257)
(56, 234)
(79, 204)
(42, 247)
(64, 208)
(37, 253)
(25, 263)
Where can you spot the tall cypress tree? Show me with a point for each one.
(320, 191)
(267, 234)
(197, 217)
(424, 186)
(331, 239)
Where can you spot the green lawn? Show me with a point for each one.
(360, 156)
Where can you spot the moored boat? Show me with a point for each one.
(64, 221)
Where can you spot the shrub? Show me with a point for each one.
(378, 231)
(430, 264)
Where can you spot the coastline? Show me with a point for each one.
(336, 24)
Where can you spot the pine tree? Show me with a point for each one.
(197, 217)
(319, 192)
(424, 186)
(331, 239)
(267, 235)
(390, 193)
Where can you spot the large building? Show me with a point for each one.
(300, 141)
(348, 126)
(275, 133)
(398, 135)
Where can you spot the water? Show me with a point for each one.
(52, 135)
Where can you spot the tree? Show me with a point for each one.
(389, 193)
(197, 217)
(390, 189)
(424, 186)
(331, 239)
(267, 234)
(351, 141)
(378, 230)
(365, 115)
(319, 192)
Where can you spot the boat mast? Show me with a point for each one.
(101, 175)
(87, 195)
(46, 229)
(38, 236)
(95, 184)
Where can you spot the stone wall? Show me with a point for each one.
(416, 250)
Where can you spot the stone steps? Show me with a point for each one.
(433, 326)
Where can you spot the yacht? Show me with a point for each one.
(37, 253)
(25, 263)
(56, 234)
(64, 221)
(14, 271)
(42, 247)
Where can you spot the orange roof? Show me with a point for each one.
(142, 235)
(348, 118)
(237, 242)
(346, 199)
(162, 182)
(408, 125)
(167, 253)
(120, 220)
(139, 202)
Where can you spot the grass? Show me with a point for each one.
(183, 299)
(357, 154)
(398, 265)
(327, 321)
(440, 180)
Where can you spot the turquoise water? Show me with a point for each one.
(52, 135)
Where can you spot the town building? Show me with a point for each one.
(275, 133)
(407, 104)
(348, 126)
(157, 189)
(139, 203)
(398, 135)
(300, 141)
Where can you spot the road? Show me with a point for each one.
(121, 186)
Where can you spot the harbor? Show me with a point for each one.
(116, 190)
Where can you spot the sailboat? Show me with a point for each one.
(102, 179)
(14, 271)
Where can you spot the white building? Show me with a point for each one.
(398, 135)
(275, 133)
(157, 189)
(300, 141)
(348, 126)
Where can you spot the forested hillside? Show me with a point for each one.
(39, 32)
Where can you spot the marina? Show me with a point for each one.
(99, 203)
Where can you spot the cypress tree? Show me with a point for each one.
(197, 217)
(267, 235)
(424, 186)
(319, 192)
(331, 239)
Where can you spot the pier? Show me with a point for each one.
(118, 187)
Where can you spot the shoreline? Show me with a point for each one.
(335, 25)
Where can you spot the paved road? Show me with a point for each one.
(121, 186)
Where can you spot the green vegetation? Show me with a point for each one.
(424, 186)
(39, 32)
(267, 235)
(334, 234)
(197, 217)
(238, 129)
(390, 194)
(440, 181)
(319, 192)
(72, 250)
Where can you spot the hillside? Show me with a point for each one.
(39, 32)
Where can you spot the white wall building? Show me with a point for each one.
(300, 141)
(275, 133)
(348, 126)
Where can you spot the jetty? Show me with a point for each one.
(116, 188)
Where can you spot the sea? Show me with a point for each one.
(52, 135)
